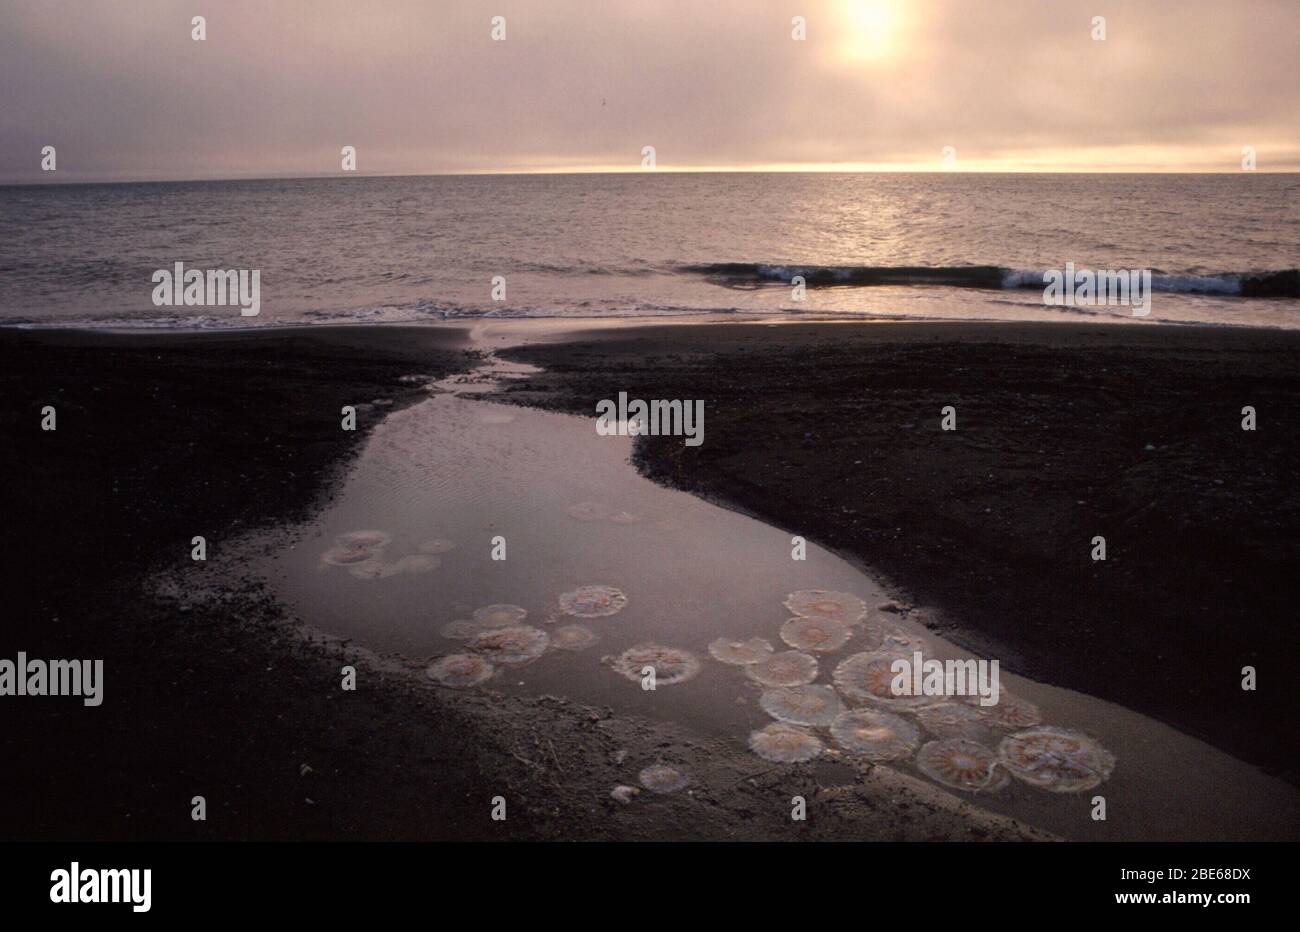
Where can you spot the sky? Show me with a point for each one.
(277, 88)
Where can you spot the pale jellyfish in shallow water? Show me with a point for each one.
(356, 547)
(347, 556)
(740, 653)
(870, 677)
(573, 637)
(460, 670)
(784, 744)
(516, 644)
(1056, 759)
(461, 629)
(375, 569)
(593, 601)
(815, 706)
(824, 603)
(498, 616)
(660, 778)
(819, 634)
(1008, 712)
(961, 764)
(372, 539)
(671, 665)
(877, 736)
(788, 668)
(954, 720)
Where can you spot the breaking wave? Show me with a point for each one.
(1262, 284)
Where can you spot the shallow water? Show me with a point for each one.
(643, 245)
(467, 470)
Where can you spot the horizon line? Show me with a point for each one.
(21, 181)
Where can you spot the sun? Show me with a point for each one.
(870, 29)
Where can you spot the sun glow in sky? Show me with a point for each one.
(125, 93)
(871, 29)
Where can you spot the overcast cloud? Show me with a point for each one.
(123, 92)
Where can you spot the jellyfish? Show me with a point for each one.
(460, 670)
(877, 736)
(625, 518)
(784, 744)
(823, 603)
(1056, 759)
(660, 778)
(870, 676)
(436, 545)
(1008, 712)
(417, 563)
(371, 539)
(954, 720)
(588, 511)
(356, 547)
(461, 629)
(740, 653)
(819, 634)
(573, 637)
(374, 569)
(671, 665)
(961, 764)
(788, 668)
(516, 644)
(816, 706)
(347, 555)
(593, 601)
(498, 616)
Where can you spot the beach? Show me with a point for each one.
(214, 687)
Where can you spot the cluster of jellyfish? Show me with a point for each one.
(364, 554)
(951, 741)
(865, 719)
(496, 636)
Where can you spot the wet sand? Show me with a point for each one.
(213, 689)
(1064, 432)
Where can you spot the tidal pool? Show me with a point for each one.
(470, 479)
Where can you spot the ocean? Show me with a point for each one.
(1221, 249)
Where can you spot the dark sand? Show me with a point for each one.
(1064, 432)
(210, 689)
